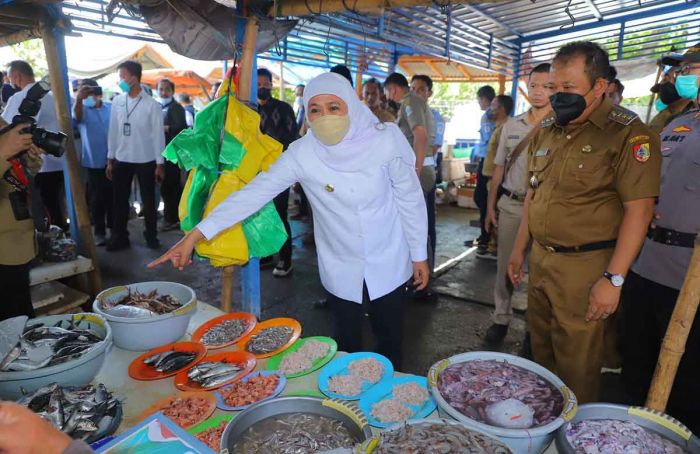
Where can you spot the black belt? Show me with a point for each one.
(672, 237)
(598, 245)
(512, 195)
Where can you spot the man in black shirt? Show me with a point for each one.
(278, 121)
(174, 122)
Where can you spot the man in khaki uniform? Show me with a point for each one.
(506, 211)
(372, 96)
(416, 122)
(595, 173)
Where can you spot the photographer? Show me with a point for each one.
(17, 241)
(50, 178)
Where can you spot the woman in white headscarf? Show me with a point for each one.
(370, 222)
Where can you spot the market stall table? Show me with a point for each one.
(139, 395)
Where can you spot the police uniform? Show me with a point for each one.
(510, 209)
(663, 118)
(581, 176)
(652, 287)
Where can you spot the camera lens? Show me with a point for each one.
(53, 143)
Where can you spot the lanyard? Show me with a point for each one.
(126, 104)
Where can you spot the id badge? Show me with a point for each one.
(127, 129)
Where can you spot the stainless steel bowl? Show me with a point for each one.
(654, 421)
(347, 413)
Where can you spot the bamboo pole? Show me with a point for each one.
(676, 337)
(77, 187)
(654, 95)
(243, 89)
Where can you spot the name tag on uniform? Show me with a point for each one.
(127, 129)
(513, 136)
(542, 152)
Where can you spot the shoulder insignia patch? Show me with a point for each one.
(641, 152)
(621, 115)
(682, 128)
(638, 139)
(549, 121)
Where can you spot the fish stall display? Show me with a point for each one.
(187, 411)
(212, 437)
(437, 438)
(294, 433)
(610, 436)
(368, 369)
(224, 332)
(170, 361)
(269, 339)
(44, 346)
(397, 408)
(82, 412)
(360, 371)
(500, 394)
(249, 391)
(303, 359)
(345, 385)
(211, 374)
(136, 304)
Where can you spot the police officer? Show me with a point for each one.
(652, 287)
(669, 102)
(594, 176)
(509, 201)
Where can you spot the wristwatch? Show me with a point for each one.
(615, 279)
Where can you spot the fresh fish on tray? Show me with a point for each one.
(43, 346)
(269, 339)
(294, 433)
(82, 412)
(146, 304)
(213, 373)
(500, 394)
(170, 361)
(437, 438)
(226, 331)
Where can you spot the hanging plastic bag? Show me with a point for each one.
(265, 232)
(194, 197)
(230, 247)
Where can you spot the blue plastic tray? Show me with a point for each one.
(221, 403)
(384, 390)
(339, 366)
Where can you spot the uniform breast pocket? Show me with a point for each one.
(540, 162)
(588, 171)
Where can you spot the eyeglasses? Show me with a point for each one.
(685, 69)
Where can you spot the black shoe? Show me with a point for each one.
(266, 263)
(115, 244)
(152, 243)
(320, 304)
(526, 348)
(282, 269)
(100, 239)
(496, 333)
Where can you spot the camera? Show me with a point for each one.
(53, 143)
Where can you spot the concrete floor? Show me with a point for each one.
(454, 324)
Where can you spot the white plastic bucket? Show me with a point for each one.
(142, 334)
(520, 441)
(77, 372)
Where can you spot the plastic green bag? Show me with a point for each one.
(196, 197)
(265, 232)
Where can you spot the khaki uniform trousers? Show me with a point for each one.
(510, 212)
(562, 340)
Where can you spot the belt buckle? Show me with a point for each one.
(550, 248)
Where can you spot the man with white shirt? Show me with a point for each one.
(135, 143)
(49, 180)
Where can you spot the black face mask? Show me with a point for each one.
(667, 92)
(567, 106)
(264, 94)
(393, 104)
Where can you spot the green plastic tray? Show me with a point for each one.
(274, 362)
(209, 423)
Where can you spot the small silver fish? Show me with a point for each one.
(223, 369)
(219, 379)
(11, 356)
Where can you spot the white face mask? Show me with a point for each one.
(331, 129)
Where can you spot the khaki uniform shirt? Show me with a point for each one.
(494, 141)
(582, 175)
(17, 243)
(384, 115)
(514, 131)
(415, 112)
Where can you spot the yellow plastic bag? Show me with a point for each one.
(230, 246)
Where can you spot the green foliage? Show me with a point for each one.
(446, 96)
(32, 52)
(288, 94)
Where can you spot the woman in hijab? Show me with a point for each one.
(370, 222)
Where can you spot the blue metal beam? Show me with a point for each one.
(516, 77)
(647, 13)
(474, 9)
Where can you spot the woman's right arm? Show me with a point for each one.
(235, 208)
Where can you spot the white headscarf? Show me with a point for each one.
(367, 142)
